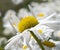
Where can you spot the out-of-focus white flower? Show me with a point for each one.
(7, 25)
(35, 4)
(16, 2)
(57, 34)
(58, 17)
(3, 40)
(54, 26)
(23, 13)
(8, 14)
(57, 45)
(42, 11)
(55, 5)
(8, 31)
(9, 21)
(45, 9)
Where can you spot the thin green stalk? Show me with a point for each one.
(38, 40)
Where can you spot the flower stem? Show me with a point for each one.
(38, 40)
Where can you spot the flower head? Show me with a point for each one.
(27, 23)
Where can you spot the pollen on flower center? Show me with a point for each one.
(27, 23)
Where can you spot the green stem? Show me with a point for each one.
(38, 40)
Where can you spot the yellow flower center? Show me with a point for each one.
(40, 31)
(41, 14)
(24, 47)
(49, 44)
(27, 23)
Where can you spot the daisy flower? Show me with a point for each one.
(33, 34)
(16, 2)
(7, 22)
(41, 31)
(41, 11)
